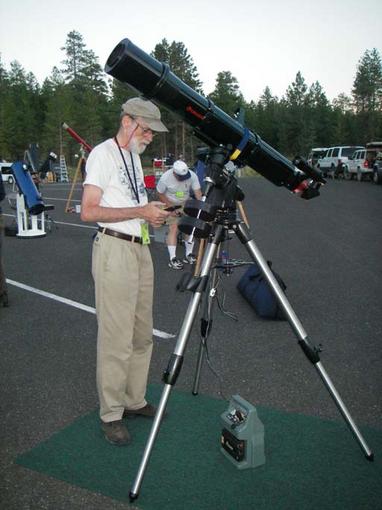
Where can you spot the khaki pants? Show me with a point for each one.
(123, 277)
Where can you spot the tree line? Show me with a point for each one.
(79, 93)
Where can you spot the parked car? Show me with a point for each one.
(377, 169)
(315, 154)
(358, 166)
(373, 157)
(6, 172)
(333, 161)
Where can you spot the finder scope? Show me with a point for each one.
(154, 80)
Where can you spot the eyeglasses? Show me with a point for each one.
(146, 130)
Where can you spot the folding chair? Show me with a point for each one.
(150, 184)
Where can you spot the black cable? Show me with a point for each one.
(209, 363)
(204, 339)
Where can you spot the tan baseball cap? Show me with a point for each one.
(148, 111)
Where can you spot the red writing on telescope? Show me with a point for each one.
(196, 114)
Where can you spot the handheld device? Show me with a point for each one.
(172, 208)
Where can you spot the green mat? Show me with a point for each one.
(310, 463)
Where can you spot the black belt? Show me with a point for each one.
(125, 237)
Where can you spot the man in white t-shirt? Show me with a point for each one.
(115, 197)
(174, 188)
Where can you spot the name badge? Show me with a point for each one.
(145, 233)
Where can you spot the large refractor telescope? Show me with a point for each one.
(154, 80)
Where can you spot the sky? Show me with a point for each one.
(261, 42)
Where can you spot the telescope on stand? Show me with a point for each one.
(214, 215)
(153, 79)
(29, 204)
(85, 147)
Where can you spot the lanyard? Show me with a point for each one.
(134, 186)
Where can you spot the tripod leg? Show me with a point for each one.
(78, 170)
(206, 324)
(199, 364)
(244, 236)
(176, 360)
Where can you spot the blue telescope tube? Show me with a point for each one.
(33, 200)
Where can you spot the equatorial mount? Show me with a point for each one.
(220, 195)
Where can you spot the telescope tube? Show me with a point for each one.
(77, 137)
(33, 200)
(153, 79)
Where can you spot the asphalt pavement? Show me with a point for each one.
(327, 250)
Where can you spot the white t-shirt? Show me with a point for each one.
(106, 170)
(177, 191)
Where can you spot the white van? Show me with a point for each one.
(336, 158)
(357, 166)
(315, 154)
(6, 172)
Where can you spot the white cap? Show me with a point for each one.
(181, 170)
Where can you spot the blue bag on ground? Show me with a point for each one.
(256, 290)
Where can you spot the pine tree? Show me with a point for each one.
(263, 117)
(344, 121)
(226, 93)
(162, 51)
(58, 107)
(296, 130)
(367, 94)
(367, 87)
(120, 93)
(20, 115)
(93, 75)
(75, 56)
(180, 140)
(320, 115)
(180, 62)
(86, 82)
(4, 95)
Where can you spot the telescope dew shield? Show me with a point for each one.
(33, 200)
(153, 79)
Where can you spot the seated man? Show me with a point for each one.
(174, 188)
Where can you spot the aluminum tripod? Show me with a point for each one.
(175, 363)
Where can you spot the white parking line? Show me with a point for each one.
(75, 224)
(62, 199)
(75, 304)
(60, 186)
(94, 227)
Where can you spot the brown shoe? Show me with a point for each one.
(116, 432)
(148, 411)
